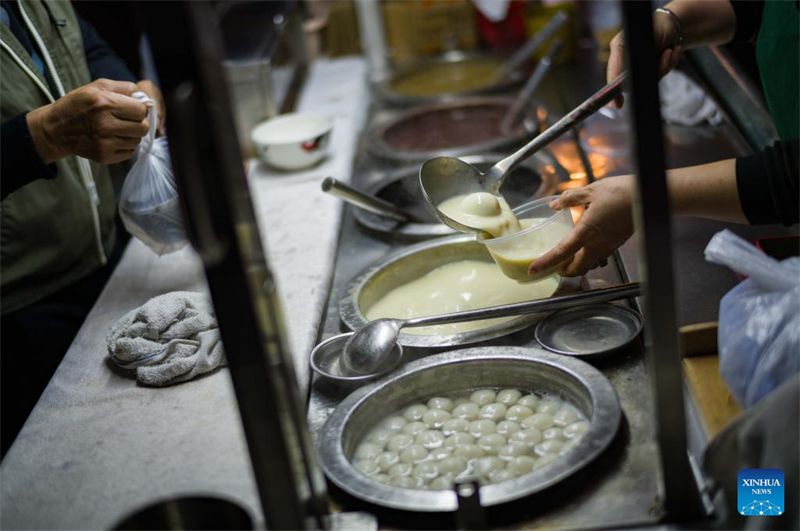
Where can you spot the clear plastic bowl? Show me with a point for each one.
(543, 228)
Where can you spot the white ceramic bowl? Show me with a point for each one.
(292, 141)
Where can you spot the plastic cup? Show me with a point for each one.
(542, 229)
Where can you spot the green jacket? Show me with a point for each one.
(778, 55)
(52, 232)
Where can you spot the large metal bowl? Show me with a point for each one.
(415, 261)
(390, 96)
(536, 177)
(461, 370)
(378, 146)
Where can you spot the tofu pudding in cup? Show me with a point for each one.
(514, 238)
(542, 229)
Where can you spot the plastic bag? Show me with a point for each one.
(149, 204)
(759, 320)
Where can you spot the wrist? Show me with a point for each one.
(672, 26)
(42, 135)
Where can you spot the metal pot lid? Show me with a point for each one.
(461, 370)
(590, 331)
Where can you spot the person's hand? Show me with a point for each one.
(154, 93)
(99, 121)
(606, 224)
(665, 34)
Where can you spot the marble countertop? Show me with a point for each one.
(98, 445)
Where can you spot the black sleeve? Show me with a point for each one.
(20, 163)
(768, 184)
(748, 19)
(102, 60)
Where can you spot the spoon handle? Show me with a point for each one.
(594, 296)
(532, 45)
(530, 86)
(579, 114)
(364, 201)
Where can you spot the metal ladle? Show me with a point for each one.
(370, 347)
(539, 73)
(532, 45)
(441, 178)
(364, 201)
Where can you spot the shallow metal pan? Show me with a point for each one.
(392, 97)
(589, 332)
(461, 370)
(377, 145)
(411, 263)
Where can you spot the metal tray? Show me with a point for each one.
(389, 96)
(378, 147)
(414, 261)
(593, 331)
(517, 367)
(534, 178)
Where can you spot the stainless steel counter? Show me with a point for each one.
(623, 479)
(622, 487)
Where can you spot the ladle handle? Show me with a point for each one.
(361, 200)
(531, 85)
(579, 114)
(623, 291)
(532, 45)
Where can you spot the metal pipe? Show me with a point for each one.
(373, 42)
(654, 233)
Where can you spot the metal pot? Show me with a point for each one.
(378, 146)
(415, 261)
(458, 371)
(536, 177)
(390, 96)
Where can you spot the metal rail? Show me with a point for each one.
(654, 233)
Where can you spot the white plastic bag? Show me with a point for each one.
(149, 204)
(759, 320)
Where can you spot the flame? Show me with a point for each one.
(569, 185)
(578, 175)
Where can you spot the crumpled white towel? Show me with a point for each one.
(684, 102)
(171, 339)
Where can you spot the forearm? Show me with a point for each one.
(704, 22)
(707, 191)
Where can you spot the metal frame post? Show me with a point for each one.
(654, 242)
(221, 222)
